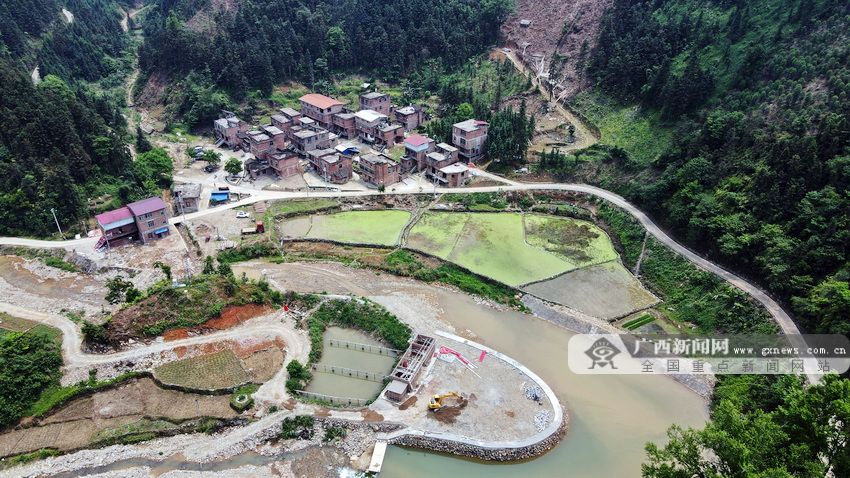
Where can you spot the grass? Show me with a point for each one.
(292, 208)
(690, 295)
(638, 322)
(288, 95)
(135, 432)
(57, 395)
(9, 323)
(640, 133)
(361, 227)
(580, 243)
(16, 460)
(213, 371)
(492, 245)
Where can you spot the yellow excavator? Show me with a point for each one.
(436, 402)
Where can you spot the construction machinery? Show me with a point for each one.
(436, 403)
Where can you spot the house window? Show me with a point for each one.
(150, 223)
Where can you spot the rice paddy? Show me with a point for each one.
(355, 227)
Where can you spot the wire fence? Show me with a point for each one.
(372, 349)
(350, 372)
(341, 401)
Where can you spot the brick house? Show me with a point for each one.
(443, 156)
(452, 176)
(187, 198)
(151, 218)
(285, 163)
(344, 125)
(257, 143)
(229, 129)
(367, 123)
(306, 138)
(416, 148)
(285, 119)
(375, 101)
(321, 108)
(410, 117)
(390, 134)
(117, 226)
(469, 136)
(332, 166)
(277, 135)
(379, 169)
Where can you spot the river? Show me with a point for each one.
(611, 416)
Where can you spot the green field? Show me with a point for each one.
(206, 372)
(362, 227)
(9, 323)
(579, 243)
(492, 245)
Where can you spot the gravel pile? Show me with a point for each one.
(541, 420)
(533, 392)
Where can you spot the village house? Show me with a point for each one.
(410, 117)
(229, 129)
(308, 138)
(452, 176)
(285, 119)
(151, 218)
(344, 125)
(379, 169)
(187, 198)
(257, 143)
(469, 136)
(416, 149)
(285, 163)
(375, 101)
(331, 165)
(373, 127)
(117, 227)
(278, 136)
(320, 108)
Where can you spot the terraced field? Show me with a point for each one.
(490, 244)
(206, 372)
(365, 227)
(579, 243)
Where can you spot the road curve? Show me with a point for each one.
(782, 319)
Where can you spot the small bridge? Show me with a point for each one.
(372, 349)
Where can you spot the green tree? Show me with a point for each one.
(29, 363)
(233, 166)
(211, 157)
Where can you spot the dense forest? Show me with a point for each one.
(262, 43)
(63, 141)
(758, 173)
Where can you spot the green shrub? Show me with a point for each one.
(333, 433)
(300, 427)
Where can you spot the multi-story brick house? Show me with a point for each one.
(321, 108)
(332, 166)
(257, 143)
(278, 136)
(416, 149)
(443, 156)
(452, 176)
(151, 217)
(379, 169)
(285, 163)
(308, 138)
(470, 136)
(229, 129)
(117, 227)
(410, 117)
(373, 127)
(390, 134)
(344, 125)
(375, 101)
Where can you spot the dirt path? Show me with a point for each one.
(585, 136)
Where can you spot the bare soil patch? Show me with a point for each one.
(449, 413)
(408, 403)
(214, 371)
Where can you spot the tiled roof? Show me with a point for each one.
(417, 140)
(115, 215)
(146, 206)
(319, 101)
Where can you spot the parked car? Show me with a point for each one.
(211, 168)
(242, 215)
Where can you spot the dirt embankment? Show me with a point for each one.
(569, 28)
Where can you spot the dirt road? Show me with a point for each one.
(585, 136)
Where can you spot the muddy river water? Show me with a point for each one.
(611, 416)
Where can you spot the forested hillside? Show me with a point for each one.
(236, 47)
(756, 98)
(63, 141)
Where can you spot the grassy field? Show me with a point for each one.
(492, 245)
(9, 323)
(286, 208)
(366, 227)
(641, 134)
(579, 243)
(206, 372)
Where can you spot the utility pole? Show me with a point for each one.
(53, 211)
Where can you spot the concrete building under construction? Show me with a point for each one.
(409, 367)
